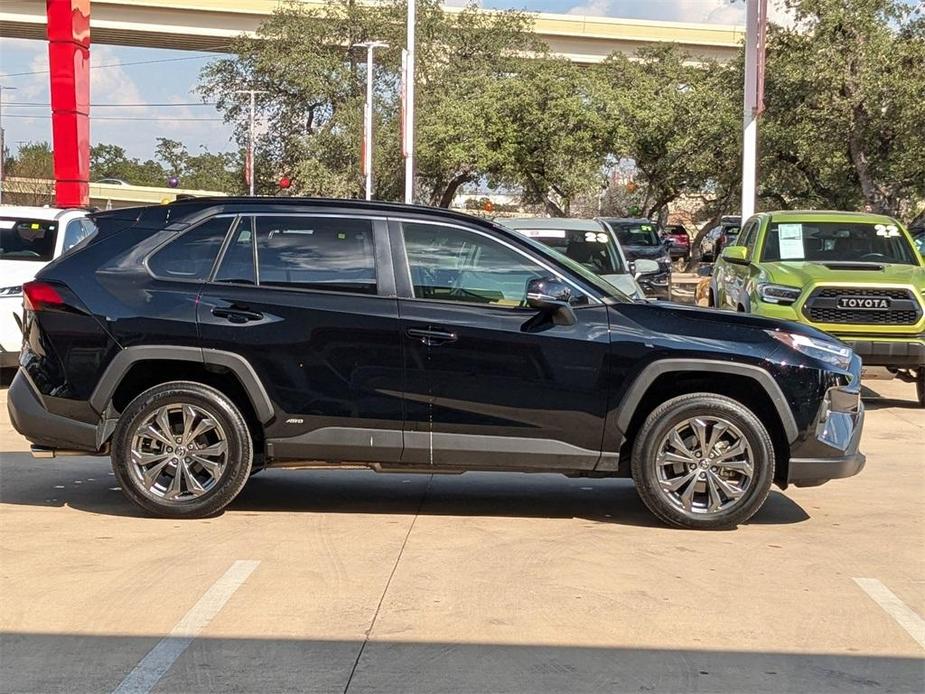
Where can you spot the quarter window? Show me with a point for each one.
(329, 253)
(190, 257)
(454, 264)
(75, 232)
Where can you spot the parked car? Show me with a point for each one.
(680, 241)
(722, 235)
(640, 240)
(30, 237)
(114, 182)
(918, 238)
(856, 276)
(199, 340)
(586, 241)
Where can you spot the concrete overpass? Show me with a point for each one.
(41, 191)
(208, 25)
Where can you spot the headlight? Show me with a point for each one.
(11, 291)
(824, 350)
(778, 294)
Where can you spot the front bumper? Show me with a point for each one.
(896, 352)
(656, 286)
(833, 452)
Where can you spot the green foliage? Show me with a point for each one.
(845, 113)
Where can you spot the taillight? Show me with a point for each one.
(39, 296)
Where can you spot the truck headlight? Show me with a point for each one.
(11, 291)
(824, 350)
(778, 294)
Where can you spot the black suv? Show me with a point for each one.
(200, 341)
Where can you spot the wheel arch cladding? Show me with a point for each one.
(132, 357)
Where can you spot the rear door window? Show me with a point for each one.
(316, 252)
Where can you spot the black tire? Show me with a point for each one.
(660, 423)
(237, 438)
(920, 386)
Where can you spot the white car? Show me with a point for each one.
(30, 238)
(587, 242)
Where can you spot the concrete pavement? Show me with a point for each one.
(474, 583)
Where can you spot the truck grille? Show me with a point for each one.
(843, 305)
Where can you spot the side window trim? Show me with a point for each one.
(403, 273)
(385, 278)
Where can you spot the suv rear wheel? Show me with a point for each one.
(182, 450)
(703, 461)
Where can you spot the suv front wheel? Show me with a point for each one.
(182, 450)
(703, 461)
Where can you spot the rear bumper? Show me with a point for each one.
(30, 418)
(897, 352)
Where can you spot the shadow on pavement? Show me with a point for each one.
(874, 401)
(87, 484)
(75, 663)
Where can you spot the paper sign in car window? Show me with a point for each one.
(791, 241)
(543, 233)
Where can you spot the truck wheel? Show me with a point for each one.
(182, 450)
(703, 461)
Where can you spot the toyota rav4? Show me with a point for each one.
(200, 341)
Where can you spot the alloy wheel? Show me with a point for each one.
(178, 453)
(704, 465)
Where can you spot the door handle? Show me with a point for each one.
(236, 315)
(432, 338)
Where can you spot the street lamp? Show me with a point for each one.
(408, 102)
(249, 164)
(2, 138)
(370, 46)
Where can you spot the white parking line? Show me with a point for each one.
(894, 607)
(157, 662)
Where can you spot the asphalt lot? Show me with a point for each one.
(349, 581)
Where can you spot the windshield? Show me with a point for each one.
(837, 241)
(595, 251)
(27, 239)
(636, 234)
(603, 287)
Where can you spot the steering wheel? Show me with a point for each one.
(872, 256)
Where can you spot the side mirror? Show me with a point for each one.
(644, 266)
(735, 254)
(551, 296)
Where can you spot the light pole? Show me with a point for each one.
(249, 164)
(370, 46)
(408, 105)
(755, 29)
(2, 137)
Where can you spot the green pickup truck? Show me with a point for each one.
(857, 276)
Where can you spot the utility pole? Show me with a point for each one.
(370, 46)
(249, 164)
(755, 31)
(2, 138)
(408, 105)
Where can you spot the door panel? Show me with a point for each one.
(329, 360)
(488, 384)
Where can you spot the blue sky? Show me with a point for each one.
(117, 88)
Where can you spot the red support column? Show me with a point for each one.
(69, 63)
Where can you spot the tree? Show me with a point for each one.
(33, 167)
(677, 120)
(303, 58)
(205, 171)
(111, 161)
(844, 125)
